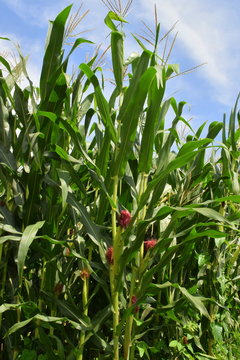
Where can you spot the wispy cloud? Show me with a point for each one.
(36, 12)
(208, 32)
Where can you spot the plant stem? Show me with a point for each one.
(53, 313)
(135, 274)
(114, 197)
(85, 292)
(142, 214)
(132, 350)
(117, 249)
(4, 276)
(129, 321)
(115, 324)
(3, 279)
(85, 312)
(40, 301)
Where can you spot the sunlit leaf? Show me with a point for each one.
(27, 238)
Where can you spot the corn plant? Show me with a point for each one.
(118, 239)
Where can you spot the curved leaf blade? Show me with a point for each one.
(27, 238)
(53, 50)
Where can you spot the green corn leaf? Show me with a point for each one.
(95, 176)
(6, 307)
(102, 103)
(129, 253)
(3, 239)
(140, 43)
(155, 184)
(199, 131)
(141, 68)
(117, 57)
(5, 63)
(9, 228)
(77, 42)
(80, 325)
(102, 160)
(226, 162)
(212, 214)
(84, 107)
(48, 114)
(146, 151)
(198, 165)
(7, 158)
(129, 117)
(47, 319)
(214, 128)
(192, 145)
(71, 312)
(209, 233)
(113, 16)
(90, 227)
(173, 68)
(33, 184)
(217, 332)
(18, 326)
(27, 238)
(48, 348)
(165, 151)
(196, 301)
(21, 105)
(232, 125)
(234, 198)
(235, 183)
(159, 137)
(4, 123)
(165, 155)
(64, 180)
(168, 254)
(65, 156)
(76, 138)
(53, 51)
(51, 240)
(161, 286)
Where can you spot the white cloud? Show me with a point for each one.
(208, 32)
(36, 12)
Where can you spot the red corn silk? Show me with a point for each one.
(134, 300)
(109, 255)
(148, 244)
(124, 219)
(84, 274)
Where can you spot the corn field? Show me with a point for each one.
(119, 239)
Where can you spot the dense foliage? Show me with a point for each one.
(119, 240)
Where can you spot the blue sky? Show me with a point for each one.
(208, 32)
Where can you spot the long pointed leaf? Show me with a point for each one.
(27, 238)
(54, 50)
(90, 227)
(102, 103)
(130, 117)
(117, 57)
